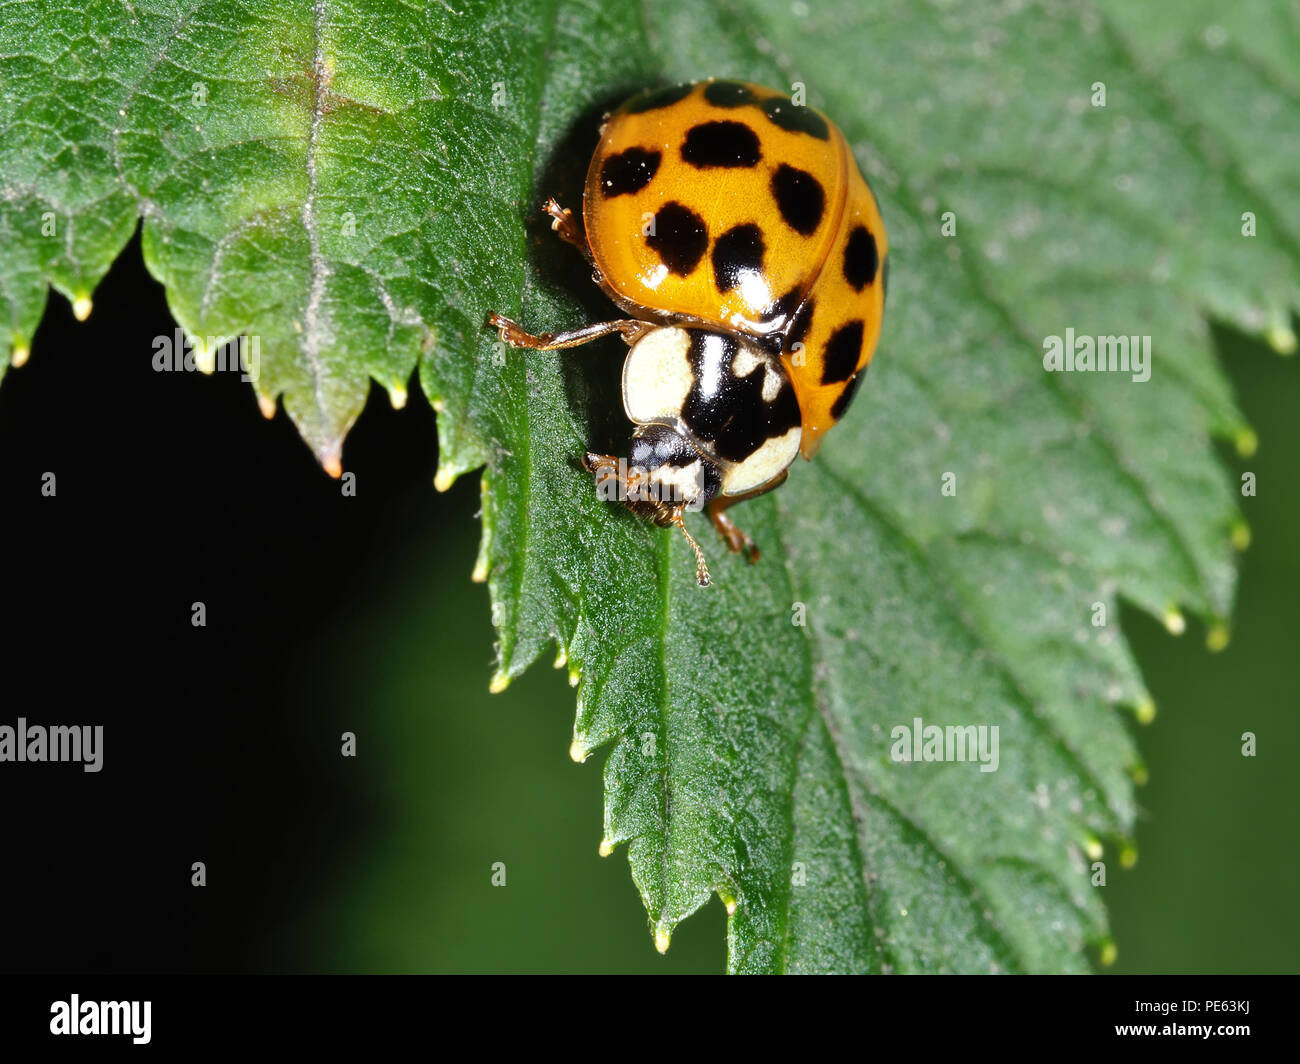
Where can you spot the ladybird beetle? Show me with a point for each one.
(736, 229)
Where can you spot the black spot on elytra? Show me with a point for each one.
(850, 390)
(728, 94)
(842, 351)
(657, 98)
(727, 411)
(731, 144)
(798, 331)
(680, 238)
(793, 119)
(861, 258)
(783, 307)
(736, 252)
(800, 198)
(628, 171)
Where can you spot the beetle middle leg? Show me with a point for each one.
(517, 336)
(737, 539)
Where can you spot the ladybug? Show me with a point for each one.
(735, 228)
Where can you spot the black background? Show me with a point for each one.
(171, 489)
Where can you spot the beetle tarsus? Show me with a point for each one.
(563, 224)
(701, 566)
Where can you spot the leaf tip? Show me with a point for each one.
(1145, 710)
(21, 353)
(728, 902)
(444, 479)
(663, 938)
(81, 307)
(1175, 622)
(1281, 338)
(267, 405)
(1246, 441)
(499, 683)
(1140, 775)
(205, 358)
(1128, 856)
(1240, 535)
(579, 752)
(1109, 951)
(606, 848)
(479, 573)
(1092, 847)
(332, 465)
(397, 396)
(561, 657)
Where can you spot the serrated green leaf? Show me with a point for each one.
(356, 184)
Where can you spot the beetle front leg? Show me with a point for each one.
(613, 476)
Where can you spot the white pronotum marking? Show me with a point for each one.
(764, 465)
(657, 377)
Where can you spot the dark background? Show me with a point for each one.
(329, 614)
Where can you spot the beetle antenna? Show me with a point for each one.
(701, 567)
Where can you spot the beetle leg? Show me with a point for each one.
(702, 576)
(516, 336)
(562, 222)
(736, 539)
(600, 465)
